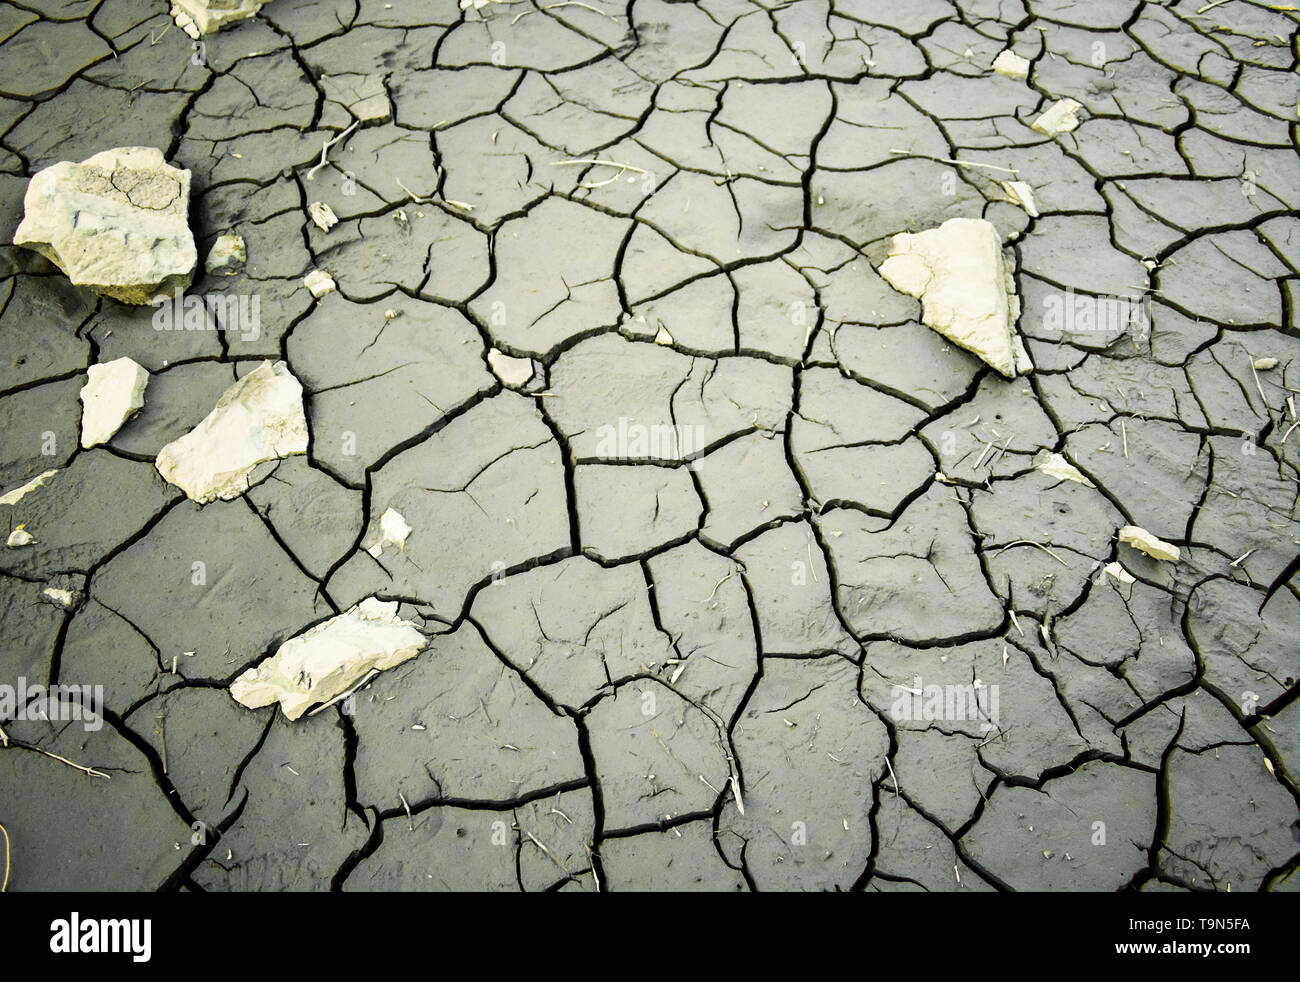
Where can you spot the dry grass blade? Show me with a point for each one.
(953, 160)
(1039, 545)
(64, 760)
(324, 150)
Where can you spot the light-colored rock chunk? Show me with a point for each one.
(1054, 465)
(199, 17)
(330, 658)
(393, 531)
(1118, 573)
(260, 418)
(19, 537)
(509, 369)
(1011, 64)
(113, 393)
(1020, 193)
(17, 494)
(1059, 118)
(228, 255)
(1143, 541)
(966, 291)
(322, 215)
(319, 283)
(117, 223)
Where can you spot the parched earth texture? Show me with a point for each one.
(625, 631)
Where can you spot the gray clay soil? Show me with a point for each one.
(622, 637)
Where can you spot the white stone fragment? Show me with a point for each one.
(330, 658)
(319, 283)
(199, 17)
(17, 494)
(966, 290)
(228, 255)
(1060, 118)
(1054, 465)
(1143, 541)
(66, 599)
(1118, 573)
(113, 393)
(393, 531)
(1265, 364)
(509, 369)
(19, 537)
(117, 223)
(322, 215)
(260, 418)
(1021, 194)
(663, 337)
(1011, 64)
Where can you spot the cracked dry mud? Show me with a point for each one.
(625, 631)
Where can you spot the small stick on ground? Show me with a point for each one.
(407, 808)
(1262, 398)
(414, 197)
(324, 150)
(5, 884)
(550, 855)
(601, 163)
(343, 695)
(577, 3)
(953, 160)
(1039, 545)
(64, 760)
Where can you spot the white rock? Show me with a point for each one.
(393, 530)
(227, 256)
(322, 215)
(1011, 64)
(1265, 364)
(258, 419)
(113, 393)
(116, 223)
(330, 658)
(966, 290)
(66, 599)
(509, 369)
(1054, 465)
(663, 337)
(19, 537)
(319, 283)
(1143, 541)
(17, 494)
(1060, 118)
(1021, 194)
(1118, 573)
(199, 17)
